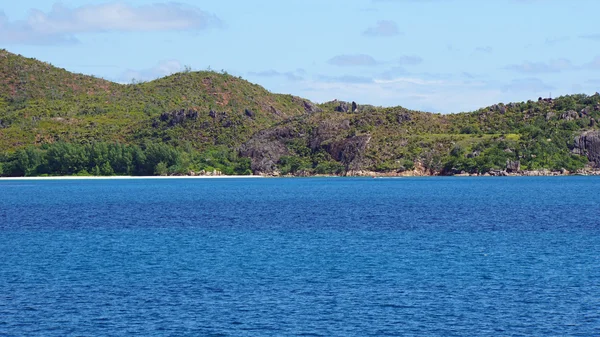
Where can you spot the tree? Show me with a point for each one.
(161, 169)
(106, 169)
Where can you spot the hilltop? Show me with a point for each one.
(53, 121)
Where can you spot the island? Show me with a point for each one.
(57, 123)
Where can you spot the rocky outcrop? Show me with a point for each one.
(404, 117)
(349, 151)
(354, 107)
(328, 132)
(249, 113)
(334, 137)
(266, 148)
(513, 166)
(569, 115)
(342, 107)
(176, 117)
(588, 144)
(310, 107)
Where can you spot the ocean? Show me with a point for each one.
(447, 256)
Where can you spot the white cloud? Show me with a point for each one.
(62, 24)
(413, 92)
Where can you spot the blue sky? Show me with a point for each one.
(434, 55)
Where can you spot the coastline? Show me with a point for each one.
(127, 177)
(354, 174)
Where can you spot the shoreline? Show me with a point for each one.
(288, 176)
(127, 177)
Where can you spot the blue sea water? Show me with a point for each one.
(301, 257)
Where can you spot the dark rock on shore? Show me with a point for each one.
(588, 143)
(513, 166)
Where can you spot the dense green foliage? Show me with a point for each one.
(107, 159)
(53, 122)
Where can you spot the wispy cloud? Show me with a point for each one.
(62, 24)
(354, 60)
(368, 60)
(412, 91)
(383, 28)
(530, 85)
(553, 66)
(289, 75)
(345, 79)
(408, 60)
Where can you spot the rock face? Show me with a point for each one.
(266, 148)
(588, 143)
(327, 132)
(349, 151)
(346, 148)
(513, 166)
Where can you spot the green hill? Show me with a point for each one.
(56, 122)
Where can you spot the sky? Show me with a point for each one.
(434, 55)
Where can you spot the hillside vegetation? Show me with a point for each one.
(53, 122)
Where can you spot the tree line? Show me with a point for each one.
(107, 159)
